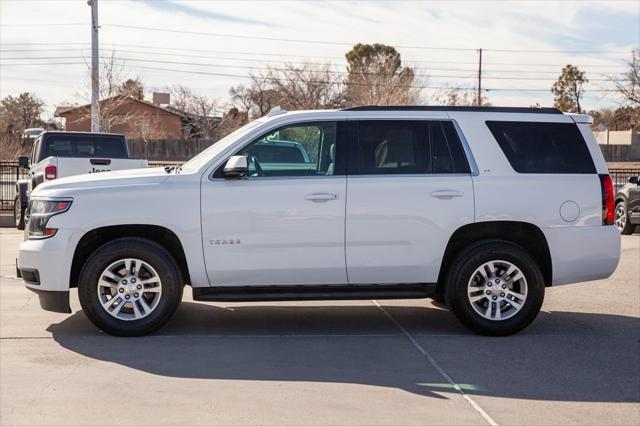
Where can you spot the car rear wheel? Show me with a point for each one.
(130, 287)
(622, 219)
(18, 212)
(495, 288)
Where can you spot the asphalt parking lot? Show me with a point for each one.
(367, 362)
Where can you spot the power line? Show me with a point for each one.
(260, 60)
(262, 53)
(264, 78)
(280, 61)
(60, 24)
(336, 43)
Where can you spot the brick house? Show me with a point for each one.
(135, 118)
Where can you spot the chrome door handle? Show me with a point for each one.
(446, 194)
(321, 197)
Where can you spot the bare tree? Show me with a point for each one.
(456, 96)
(293, 87)
(628, 84)
(146, 127)
(115, 91)
(255, 100)
(200, 110)
(231, 120)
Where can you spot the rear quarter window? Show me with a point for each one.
(536, 147)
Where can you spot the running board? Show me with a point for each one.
(315, 292)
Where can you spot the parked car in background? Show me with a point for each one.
(482, 208)
(32, 132)
(58, 154)
(627, 216)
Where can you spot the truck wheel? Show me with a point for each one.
(622, 219)
(495, 288)
(18, 212)
(130, 286)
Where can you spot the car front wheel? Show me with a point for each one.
(130, 287)
(622, 219)
(495, 288)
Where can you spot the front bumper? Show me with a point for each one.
(54, 301)
(51, 260)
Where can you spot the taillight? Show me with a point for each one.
(606, 184)
(50, 172)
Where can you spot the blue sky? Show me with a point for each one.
(211, 45)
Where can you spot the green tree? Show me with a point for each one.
(569, 89)
(19, 113)
(376, 77)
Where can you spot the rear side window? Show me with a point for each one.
(534, 147)
(85, 146)
(447, 155)
(392, 147)
(408, 147)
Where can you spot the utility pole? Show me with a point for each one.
(95, 68)
(479, 100)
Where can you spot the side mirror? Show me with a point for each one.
(23, 161)
(633, 179)
(236, 167)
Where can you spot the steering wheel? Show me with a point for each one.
(256, 164)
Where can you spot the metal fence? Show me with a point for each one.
(10, 172)
(621, 176)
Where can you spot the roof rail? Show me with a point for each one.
(521, 110)
(276, 110)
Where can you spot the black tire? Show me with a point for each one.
(18, 212)
(628, 227)
(130, 247)
(462, 270)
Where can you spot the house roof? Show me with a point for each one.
(61, 111)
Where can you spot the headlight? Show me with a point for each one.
(40, 211)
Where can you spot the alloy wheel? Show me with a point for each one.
(497, 290)
(620, 217)
(129, 289)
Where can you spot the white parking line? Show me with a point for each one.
(435, 365)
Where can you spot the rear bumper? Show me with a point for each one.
(583, 253)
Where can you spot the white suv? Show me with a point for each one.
(480, 208)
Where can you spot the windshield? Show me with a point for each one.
(209, 153)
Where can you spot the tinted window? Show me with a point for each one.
(85, 146)
(272, 152)
(306, 149)
(409, 147)
(447, 154)
(392, 147)
(543, 147)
